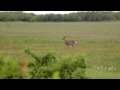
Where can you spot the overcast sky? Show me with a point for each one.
(52, 12)
(48, 12)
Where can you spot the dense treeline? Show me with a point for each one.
(72, 17)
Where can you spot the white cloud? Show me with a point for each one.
(48, 12)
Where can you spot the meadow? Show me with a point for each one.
(98, 42)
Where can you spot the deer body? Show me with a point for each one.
(69, 42)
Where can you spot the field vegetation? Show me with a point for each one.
(97, 42)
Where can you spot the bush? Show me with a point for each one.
(41, 68)
(45, 66)
(9, 69)
(69, 65)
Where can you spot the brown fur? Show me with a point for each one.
(69, 42)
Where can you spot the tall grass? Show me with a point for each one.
(99, 41)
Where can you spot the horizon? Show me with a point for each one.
(50, 12)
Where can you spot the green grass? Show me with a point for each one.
(98, 41)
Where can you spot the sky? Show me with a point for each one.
(49, 12)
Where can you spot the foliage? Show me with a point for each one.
(40, 66)
(72, 17)
(47, 65)
(9, 69)
(69, 65)
(56, 75)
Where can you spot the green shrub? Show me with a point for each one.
(9, 69)
(68, 67)
(41, 67)
(78, 74)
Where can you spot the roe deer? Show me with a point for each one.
(69, 42)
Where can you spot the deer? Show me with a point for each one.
(69, 42)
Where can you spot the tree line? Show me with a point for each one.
(71, 17)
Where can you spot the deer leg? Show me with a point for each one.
(73, 46)
(66, 46)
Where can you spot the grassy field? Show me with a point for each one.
(99, 42)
